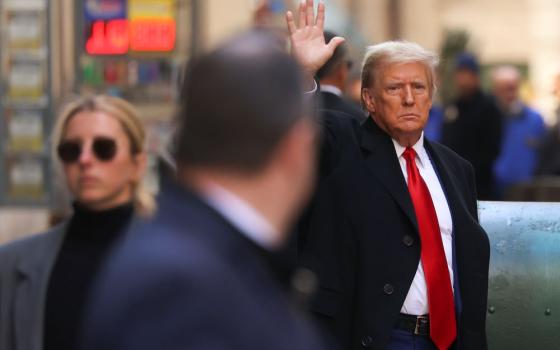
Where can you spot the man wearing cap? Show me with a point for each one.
(473, 125)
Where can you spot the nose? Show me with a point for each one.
(408, 98)
(86, 155)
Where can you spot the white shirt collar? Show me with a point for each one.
(421, 153)
(332, 89)
(245, 218)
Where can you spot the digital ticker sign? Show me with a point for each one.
(133, 29)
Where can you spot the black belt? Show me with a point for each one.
(419, 325)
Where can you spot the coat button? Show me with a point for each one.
(408, 240)
(367, 341)
(388, 289)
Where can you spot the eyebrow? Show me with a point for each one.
(70, 139)
(400, 80)
(80, 139)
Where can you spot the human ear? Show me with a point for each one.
(140, 161)
(368, 100)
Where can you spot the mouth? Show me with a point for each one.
(409, 116)
(88, 180)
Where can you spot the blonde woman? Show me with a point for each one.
(45, 279)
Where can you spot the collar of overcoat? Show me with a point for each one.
(381, 160)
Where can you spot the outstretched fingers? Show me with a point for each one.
(310, 13)
(306, 16)
(320, 15)
(302, 14)
(290, 22)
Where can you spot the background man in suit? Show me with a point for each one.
(393, 231)
(472, 125)
(333, 81)
(196, 275)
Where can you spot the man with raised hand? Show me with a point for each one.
(393, 228)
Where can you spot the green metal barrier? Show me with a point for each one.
(524, 290)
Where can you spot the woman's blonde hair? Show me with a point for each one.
(126, 114)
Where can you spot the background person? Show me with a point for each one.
(473, 125)
(45, 279)
(333, 82)
(523, 131)
(549, 152)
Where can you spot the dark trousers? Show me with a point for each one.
(402, 340)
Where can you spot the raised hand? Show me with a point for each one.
(307, 39)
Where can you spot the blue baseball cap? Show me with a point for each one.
(467, 61)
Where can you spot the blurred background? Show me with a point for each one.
(53, 50)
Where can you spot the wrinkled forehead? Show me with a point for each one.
(412, 71)
(506, 81)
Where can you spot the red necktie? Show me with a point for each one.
(443, 329)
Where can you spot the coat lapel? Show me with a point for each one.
(456, 204)
(381, 159)
(33, 277)
(458, 209)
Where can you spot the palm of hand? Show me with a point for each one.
(307, 38)
(308, 47)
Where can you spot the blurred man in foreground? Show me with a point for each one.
(196, 276)
(522, 134)
(393, 231)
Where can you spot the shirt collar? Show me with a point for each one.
(418, 148)
(332, 89)
(245, 218)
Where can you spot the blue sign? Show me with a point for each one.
(104, 9)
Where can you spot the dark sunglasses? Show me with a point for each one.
(103, 148)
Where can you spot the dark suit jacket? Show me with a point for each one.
(334, 102)
(25, 269)
(549, 157)
(473, 128)
(187, 279)
(360, 235)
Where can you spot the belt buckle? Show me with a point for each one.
(420, 319)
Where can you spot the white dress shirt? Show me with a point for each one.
(246, 219)
(332, 89)
(416, 302)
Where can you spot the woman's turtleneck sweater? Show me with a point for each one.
(88, 239)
